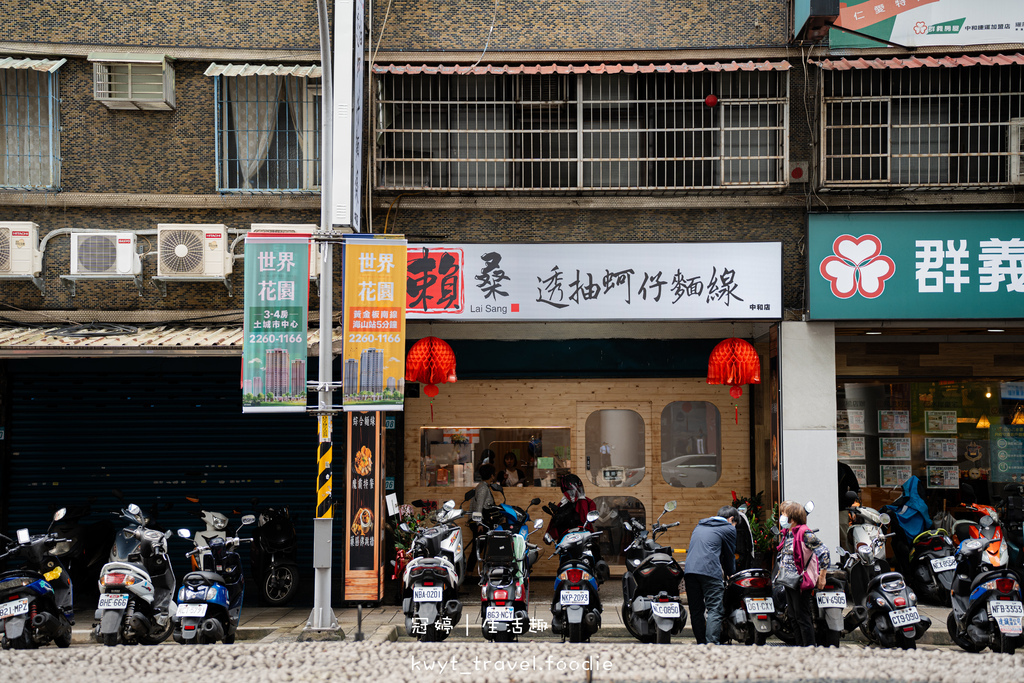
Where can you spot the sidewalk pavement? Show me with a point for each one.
(386, 622)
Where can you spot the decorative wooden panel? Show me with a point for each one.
(564, 403)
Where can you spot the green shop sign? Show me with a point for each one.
(899, 266)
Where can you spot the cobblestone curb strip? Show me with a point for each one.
(382, 662)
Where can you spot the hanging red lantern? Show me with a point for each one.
(735, 362)
(431, 362)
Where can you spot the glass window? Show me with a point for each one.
(615, 447)
(522, 456)
(691, 444)
(615, 510)
(268, 133)
(29, 150)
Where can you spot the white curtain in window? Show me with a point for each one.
(25, 139)
(299, 104)
(254, 102)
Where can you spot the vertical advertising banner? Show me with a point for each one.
(364, 574)
(274, 346)
(373, 363)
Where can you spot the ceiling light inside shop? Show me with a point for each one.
(983, 422)
(996, 330)
(988, 392)
(872, 333)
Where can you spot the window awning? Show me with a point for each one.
(917, 62)
(127, 58)
(299, 70)
(45, 65)
(483, 69)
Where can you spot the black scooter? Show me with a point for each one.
(651, 608)
(749, 605)
(576, 603)
(987, 605)
(275, 564)
(84, 550)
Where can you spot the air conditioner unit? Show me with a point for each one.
(104, 254)
(193, 251)
(314, 253)
(19, 250)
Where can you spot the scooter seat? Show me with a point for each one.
(203, 578)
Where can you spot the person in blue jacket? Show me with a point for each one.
(710, 558)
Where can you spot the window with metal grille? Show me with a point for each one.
(268, 134)
(921, 127)
(29, 142)
(580, 132)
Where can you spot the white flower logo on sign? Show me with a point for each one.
(857, 265)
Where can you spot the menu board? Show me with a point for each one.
(363, 532)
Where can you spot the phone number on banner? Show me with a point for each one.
(374, 338)
(298, 338)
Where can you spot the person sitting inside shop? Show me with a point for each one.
(512, 475)
(482, 497)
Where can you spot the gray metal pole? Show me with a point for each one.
(322, 618)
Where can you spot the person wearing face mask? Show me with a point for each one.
(793, 523)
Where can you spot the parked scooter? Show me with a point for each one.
(884, 607)
(505, 557)
(83, 550)
(216, 527)
(210, 600)
(987, 608)
(651, 608)
(136, 586)
(430, 586)
(922, 553)
(576, 604)
(35, 600)
(749, 604)
(275, 564)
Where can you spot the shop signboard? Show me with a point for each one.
(373, 356)
(910, 265)
(915, 23)
(364, 576)
(648, 281)
(274, 348)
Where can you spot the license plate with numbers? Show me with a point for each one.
(195, 609)
(904, 617)
(10, 609)
(113, 601)
(668, 610)
(424, 594)
(759, 605)
(574, 598)
(831, 599)
(944, 564)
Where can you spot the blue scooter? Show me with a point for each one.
(576, 604)
(210, 600)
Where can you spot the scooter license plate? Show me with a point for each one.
(759, 605)
(668, 610)
(904, 617)
(574, 597)
(1006, 608)
(831, 600)
(113, 601)
(944, 564)
(500, 614)
(424, 594)
(192, 610)
(10, 609)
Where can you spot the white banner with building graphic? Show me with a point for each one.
(915, 23)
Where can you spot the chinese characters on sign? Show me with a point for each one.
(363, 511)
(274, 346)
(915, 23)
(594, 281)
(373, 363)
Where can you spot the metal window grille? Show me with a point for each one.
(580, 132)
(134, 85)
(29, 143)
(920, 128)
(268, 134)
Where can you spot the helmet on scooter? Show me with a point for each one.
(572, 487)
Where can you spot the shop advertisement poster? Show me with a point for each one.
(1007, 453)
(943, 477)
(894, 475)
(648, 281)
(943, 266)
(850, 421)
(940, 421)
(917, 23)
(940, 449)
(861, 472)
(894, 421)
(364, 576)
(274, 348)
(894, 449)
(851, 447)
(373, 360)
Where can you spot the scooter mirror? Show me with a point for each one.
(23, 536)
(416, 503)
(134, 509)
(538, 523)
(184, 533)
(614, 514)
(670, 506)
(469, 494)
(742, 509)
(535, 501)
(449, 505)
(809, 507)
(883, 518)
(59, 514)
(248, 519)
(497, 487)
(593, 516)
(404, 527)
